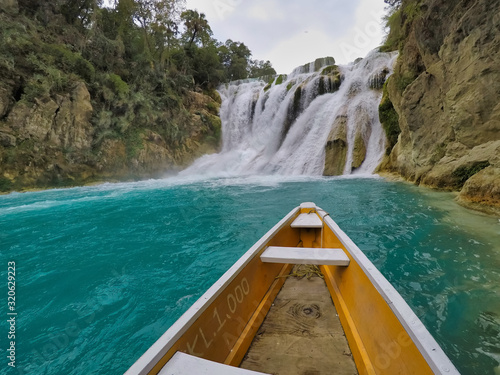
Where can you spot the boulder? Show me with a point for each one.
(33, 121)
(336, 148)
(62, 122)
(483, 188)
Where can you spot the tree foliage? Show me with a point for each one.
(235, 57)
(197, 31)
(139, 59)
(260, 68)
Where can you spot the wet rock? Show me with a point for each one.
(376, 81)
(336, 148)
(359, 151)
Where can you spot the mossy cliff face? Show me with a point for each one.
(445, 96)
(51, 142)
(87, 93)
(63, 122)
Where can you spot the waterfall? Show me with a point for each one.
(320, 119)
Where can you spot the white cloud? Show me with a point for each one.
(300, 48)
(265, 11)
(366, 33)
(203, 6)
(290, 33)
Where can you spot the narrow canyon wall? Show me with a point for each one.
(445, 91)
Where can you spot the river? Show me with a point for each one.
(103, 271)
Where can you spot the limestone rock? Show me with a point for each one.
(33, 122)
(376, 80)
(363, 132)
(206, 128)
(446, 92)
(112, 159)
(317, 64)
(330, 80)
(359, 151)
(51, 141)
(72, 127)
(336, 148)
(62, 123)
(459, 164)
(153, 160)
(483, 188)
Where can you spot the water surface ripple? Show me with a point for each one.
(103, 271)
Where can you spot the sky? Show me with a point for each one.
(291, 33)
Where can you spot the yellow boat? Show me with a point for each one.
(263, 317)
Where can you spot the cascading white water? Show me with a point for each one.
(283, 129)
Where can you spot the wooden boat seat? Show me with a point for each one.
(305, 255)
(185, 364)
(307, 221)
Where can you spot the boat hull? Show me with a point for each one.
(384, 334)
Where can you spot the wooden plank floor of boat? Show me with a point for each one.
(301, 334)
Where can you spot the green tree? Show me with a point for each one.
(198, 30)
(80, 11)
(235, 57)
(207, 70)
(124, 11)
(259, 68)
(156, 19)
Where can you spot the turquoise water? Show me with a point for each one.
(103, 271)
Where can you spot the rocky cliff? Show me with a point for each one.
(52, 142)
(67, 119)
(441, 107)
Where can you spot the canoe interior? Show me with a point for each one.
(302, 333)
(379, 343)
(222, 325)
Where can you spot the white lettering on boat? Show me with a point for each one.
(221, 323)
(234, 300)
(191, 348)
(207, 344)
